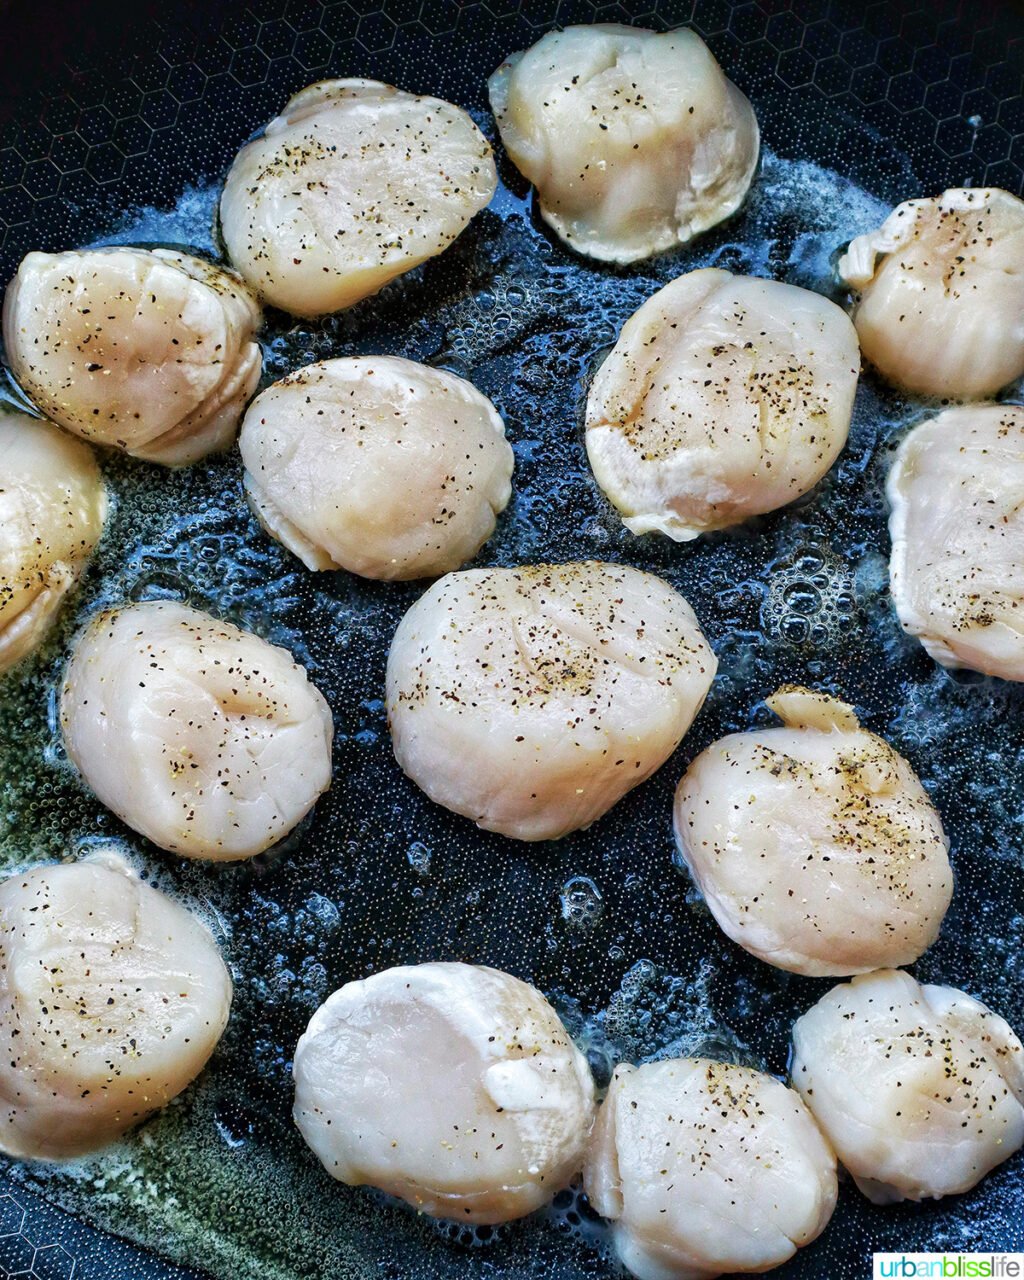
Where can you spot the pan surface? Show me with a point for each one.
(119, 123)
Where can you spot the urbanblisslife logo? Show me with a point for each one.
(948, 1266)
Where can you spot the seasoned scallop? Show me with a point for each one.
(532, 699)
(634, 139)
(724, 397)
(815, 845)
(112, 998)
(939, 293)
(207, 740)
(956, 493)
(919, 1088)
(52, 508)
(705, 1168)
(453, 1086)
(354, 183)
(147, 350)
(378, 465)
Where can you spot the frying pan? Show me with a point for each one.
(118, 123)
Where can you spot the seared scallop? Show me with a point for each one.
(939, 293)
(207, 740)
(146, 350)
(634, 139)
(453, 1086)
(354, 183)
(705, 1168)
(52, 507)
(378, 465)
(815, 845)
(532, 699)
(956, 492)
(112, 998)
(724, 397)
(919, 1088)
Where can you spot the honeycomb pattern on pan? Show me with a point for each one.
(902, 97)
(21, 1253)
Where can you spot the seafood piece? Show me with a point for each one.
(635, 140)
(206, 739)
(453, 1086)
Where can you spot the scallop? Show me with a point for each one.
(532, 699)
(146, 350)
(635, 140)
(707, 1168)
(956, 492)
(378, 465)
(354, 183)
(724, 397)
(814, 844)
(205, 739)
(919, 1088)
(52, 507)
(939, 293)
(453, 1086)
(112, 998)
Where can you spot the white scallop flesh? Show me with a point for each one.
(532, 699)
(725, 397)
(705, 1168)
(378, 465)
(145, 350)
(453, 1086)
(354, 183)
(939, 293)
(206, 739)
(635, 140)
(52, 507)
(112, 998)
(919, 1088)
(956, 496)
(815, 846)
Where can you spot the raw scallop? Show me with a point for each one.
(707, 1168)
(724, 397)
(956, 492)
(532, 699)
(382, 466)
(206, 739)
(814, 844)
(52, 507)
(919, 1088)
(453, 1086)
(635, 140)
(352, 184)
(112, 998)
(147, 350)
(939, 293)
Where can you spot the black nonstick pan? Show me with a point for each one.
(119, 121)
